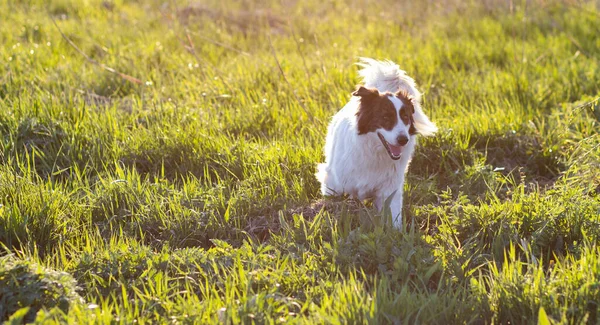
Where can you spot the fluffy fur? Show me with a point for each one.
(366, 152)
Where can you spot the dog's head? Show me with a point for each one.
(392, 117)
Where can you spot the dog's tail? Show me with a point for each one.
(387, 76)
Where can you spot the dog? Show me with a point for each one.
(371, 140)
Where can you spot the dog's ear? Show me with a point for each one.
(365, 112)
(419, 122)
(365, 92)
(410, 103)
(412, 130)
(404, 96)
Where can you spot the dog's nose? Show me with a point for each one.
(402, 140)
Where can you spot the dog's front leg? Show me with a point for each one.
(396, 208)
(395, 201)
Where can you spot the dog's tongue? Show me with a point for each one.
(395, 150)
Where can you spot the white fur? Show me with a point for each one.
(359, 165)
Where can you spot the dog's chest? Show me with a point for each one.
(369, 178)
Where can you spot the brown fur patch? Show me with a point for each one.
(408, 103)
(377, 110)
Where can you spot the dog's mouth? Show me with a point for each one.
(395, 152)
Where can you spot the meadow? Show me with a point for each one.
(157, 163)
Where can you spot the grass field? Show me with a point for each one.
(159, 168)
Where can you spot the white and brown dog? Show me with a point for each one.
(371, 141)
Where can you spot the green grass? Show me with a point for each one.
(190, 197)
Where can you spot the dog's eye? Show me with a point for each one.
(404, 116)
